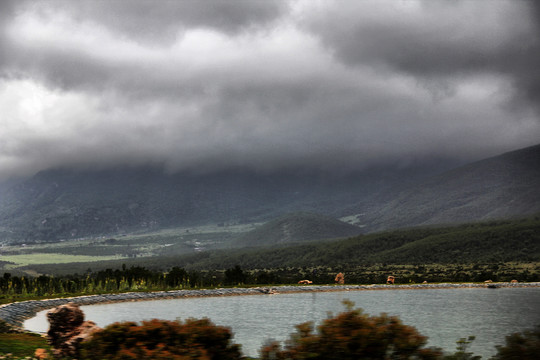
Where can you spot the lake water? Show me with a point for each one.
(444, 315)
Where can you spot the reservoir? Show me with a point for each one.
(443, 315)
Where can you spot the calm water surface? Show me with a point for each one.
(444, 315)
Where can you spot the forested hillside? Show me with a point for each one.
(492, 242)
(297, 227)
(474, 243)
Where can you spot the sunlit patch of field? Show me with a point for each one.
(172, 241)
(33, 259)
(202, 229)
(355, 219)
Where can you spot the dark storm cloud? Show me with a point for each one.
(440, 41)
(264, 84)
(523, 64)
(158, 22)
(161, 21)
(6, 12)
(141, 24)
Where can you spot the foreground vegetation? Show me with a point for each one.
(348, 335)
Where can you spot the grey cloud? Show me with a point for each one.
(162, 21)
(523, 62)
(437, 38)
(440, 40)
(155, 25)
(347, 87)
(7, 9)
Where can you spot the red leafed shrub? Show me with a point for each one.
(353, 335)
(161, 339)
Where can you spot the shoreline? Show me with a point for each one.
(16, 313)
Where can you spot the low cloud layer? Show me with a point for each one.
(265, 84)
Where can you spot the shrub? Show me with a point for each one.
(5, 327)
(353, 335)
(520, 346)
(462, 353)
(161, 339)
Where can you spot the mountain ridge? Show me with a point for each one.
(63, 204)
(499, 187)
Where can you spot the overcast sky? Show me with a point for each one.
(265, 84)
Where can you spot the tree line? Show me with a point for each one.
(135, 278)
(139, 278)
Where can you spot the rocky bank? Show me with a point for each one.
(16, 313)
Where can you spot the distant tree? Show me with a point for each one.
(235, 276)
(353, 335)
(266, 277)
(176, 277)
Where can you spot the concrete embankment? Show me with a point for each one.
(16, 313)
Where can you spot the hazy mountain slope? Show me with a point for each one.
(499, 187)
(58, 204)
(297, 227)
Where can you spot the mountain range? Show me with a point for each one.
(62, 203)
(500, 187)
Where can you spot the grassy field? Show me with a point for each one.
(185, 239)
(21, 345)
(33, 259)
(165, 242)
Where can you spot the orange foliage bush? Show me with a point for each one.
(162, 339)
(353, 335)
